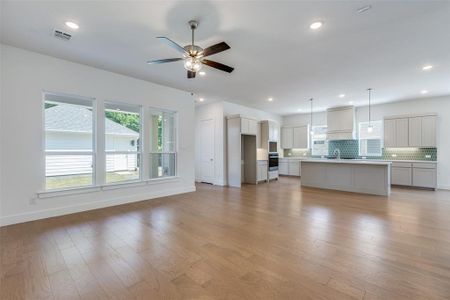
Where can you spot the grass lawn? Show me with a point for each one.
(69, 181)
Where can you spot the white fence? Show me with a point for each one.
(57, 165)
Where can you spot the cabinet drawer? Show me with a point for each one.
(424, 165)
(401, 164)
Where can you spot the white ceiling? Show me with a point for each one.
(273, 50)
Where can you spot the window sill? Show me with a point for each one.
(105, 187)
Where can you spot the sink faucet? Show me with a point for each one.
(337, 153)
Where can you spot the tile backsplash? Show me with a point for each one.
(350, 149)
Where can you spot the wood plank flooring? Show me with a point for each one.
(269, 241)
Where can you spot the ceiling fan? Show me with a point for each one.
(193, 55)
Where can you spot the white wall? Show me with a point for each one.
(439, 105)
(24, 75)
(218, 111)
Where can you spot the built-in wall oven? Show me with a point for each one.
(273, 161)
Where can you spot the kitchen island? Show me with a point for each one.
(350, 175)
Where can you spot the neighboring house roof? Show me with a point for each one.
(74, 118)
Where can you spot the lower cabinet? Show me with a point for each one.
(289, 167)
(401, 176)
(414, 174)
(262, 170)
(283, 167)
(424, 177)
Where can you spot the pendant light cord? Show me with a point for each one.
(370, 91)
(311, 100)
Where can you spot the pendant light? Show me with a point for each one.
(311, 115)
(370, 127)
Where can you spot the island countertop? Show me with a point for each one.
(348, 161)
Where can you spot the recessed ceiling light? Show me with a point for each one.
(316, 25)
(427, 67)
(351, 102)
(423, 92)
(202, 73)
(72, 25)
(341, 95)
(270, 99)
(201, 99)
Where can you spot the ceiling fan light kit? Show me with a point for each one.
(193, 55)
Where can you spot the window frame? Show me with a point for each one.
(140, 146)
(93, 152)
(149, 153)
(380, 154)
(312, 140)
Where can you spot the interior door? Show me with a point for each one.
(207, 151)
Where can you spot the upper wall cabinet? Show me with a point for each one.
(249, 126)
(269, 131)
(341, 123)
(410, 131)
(294, 137)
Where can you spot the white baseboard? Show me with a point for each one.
(443, 187)
(54, 212)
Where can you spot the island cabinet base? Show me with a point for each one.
(359, 178)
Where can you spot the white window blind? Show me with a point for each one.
(319, 143)
(370, 143)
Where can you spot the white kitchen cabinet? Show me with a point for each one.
(283, 167)
(416, 174)
(262, 169)
(429, 131)
(248, 126)
(287, 137)
(289, 166)
(252, 127)
(294, 167)
(401, 132)
(410, 131)
(424, 175)
(273, 132)
(415, 132)
(401, 176)
(300, 140)
(389, 133)
(294, 137)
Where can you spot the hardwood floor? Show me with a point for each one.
(270, 241)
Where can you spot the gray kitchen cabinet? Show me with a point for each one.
(401, 176)
(429, 131)
(415, 132)
(287, 137)
(410, 131)
(424, 175)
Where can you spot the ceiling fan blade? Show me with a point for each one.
(217, 65)
(172, 44)
(162, 61)
(215, 49)
(190, 74)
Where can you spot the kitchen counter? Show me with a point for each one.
(348, 161)
(351, 175)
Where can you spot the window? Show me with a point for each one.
(319, 141)
(69, 141)
(122, 142)
(370, 142)
(162, 143)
